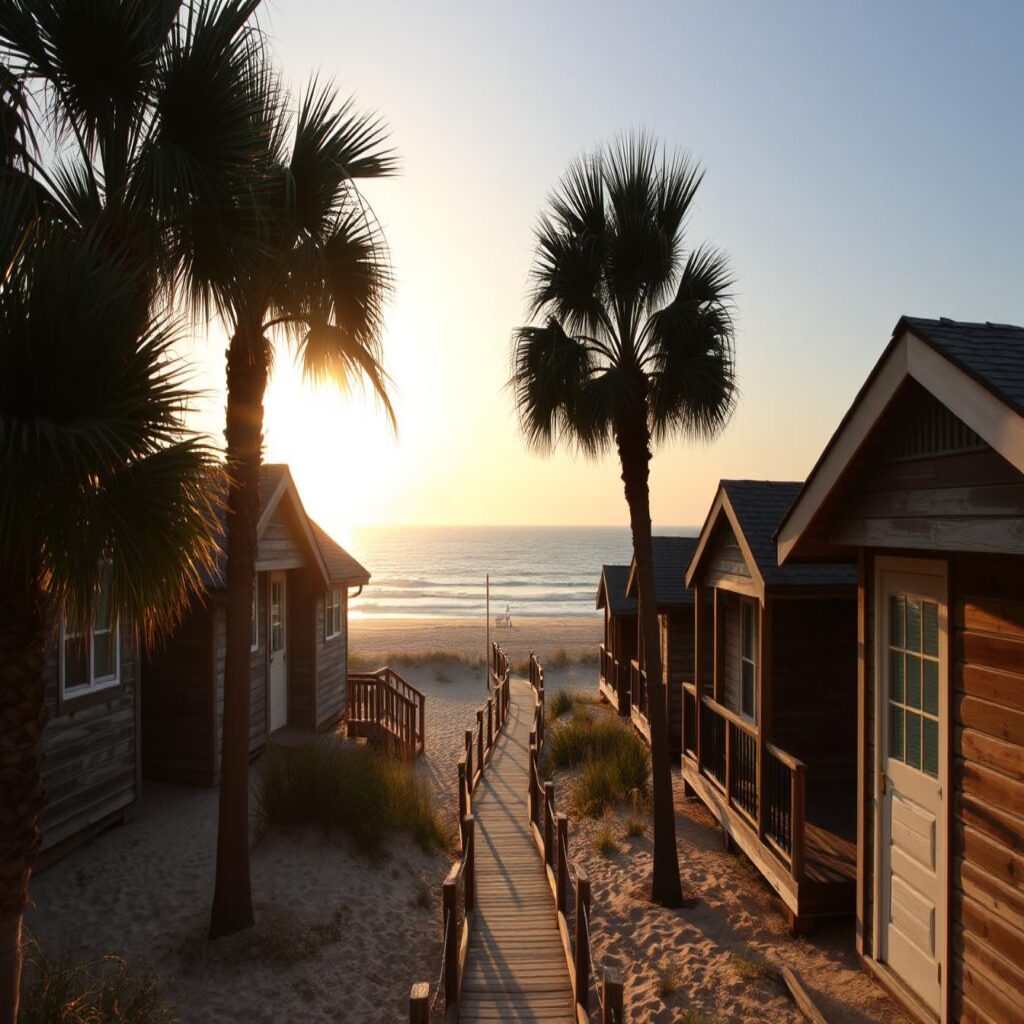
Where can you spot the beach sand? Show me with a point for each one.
(707, 949)
(342, 938)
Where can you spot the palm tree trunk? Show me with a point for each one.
(635, 456)
(22, 716)
(246, 382)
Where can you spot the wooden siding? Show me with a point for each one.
(677, 665)
(814, 685)
(331, 667)
(951, 494)
(305, 633)
(89, 749)
(280, 546)
(177, 704)
(724, 562)
(987, 849)
(729, 667)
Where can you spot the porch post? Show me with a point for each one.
(764, 708)
(699, 657)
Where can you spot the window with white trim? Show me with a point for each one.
(332, 613)
(748, 660)
(90, 655)
(254, 639)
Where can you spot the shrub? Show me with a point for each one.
(351, 789)
(105, 991)
(561, 703)
(635, 827)
(604, 842)
(753, 968)
(615, 763)
(668, 981)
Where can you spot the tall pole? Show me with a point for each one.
(487, 653)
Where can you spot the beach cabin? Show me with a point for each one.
(617, 652)
(299, 647)
(770, 714)
(90, 748)
(923, 483)
(671, 556)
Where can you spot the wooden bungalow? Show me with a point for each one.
(923, 482)
(769, 720)
(299, 649)
(675, 625)
(620, 636)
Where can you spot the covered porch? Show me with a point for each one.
(620, 637)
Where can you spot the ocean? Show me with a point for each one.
(440, 571)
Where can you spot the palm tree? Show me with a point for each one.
(148, 109)
(316, 275)
(103, 489)
(635, 346)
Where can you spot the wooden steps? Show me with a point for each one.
(515, 965)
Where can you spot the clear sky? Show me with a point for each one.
(863, 160)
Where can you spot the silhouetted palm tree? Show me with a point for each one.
(315, 275)
(147, 111)
(635, 346)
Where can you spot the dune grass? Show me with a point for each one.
(354, 790)
(614, 763)
(55, 990)
(439, 660)
(561, 703)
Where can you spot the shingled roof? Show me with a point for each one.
(671, 558)
(993, 354)
(612, 589)
(759, 507)
(341, 566)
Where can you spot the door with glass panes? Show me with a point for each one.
(911, 733)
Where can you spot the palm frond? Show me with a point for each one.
(550, 371)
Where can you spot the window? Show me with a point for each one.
(254, 640)
(748, 659)
(332, 613)
(914, 683)
(91, 655)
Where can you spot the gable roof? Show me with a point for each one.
(671, 556)
(611, 590)
(341, 566)
(976, 370)
(330, 559)
(753, 510)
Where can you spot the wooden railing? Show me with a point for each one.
(638, 687)
(458, 893)
(383, 707)
(569, 884)
(615, 675)
(765, 784)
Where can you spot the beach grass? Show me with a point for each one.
(439, 660)
(561, 703)
(614, 763)
(56, 990)
(353, 790)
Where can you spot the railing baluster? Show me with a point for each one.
(562, 873)
(469, 876)
(582, 946)
(549, 810)
(450, 932)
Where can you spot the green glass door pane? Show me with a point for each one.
(930, 747)
(896, 732)
(913, 747)
(913, 681)
(930, 696)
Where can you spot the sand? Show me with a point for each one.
(733, 921)
(342, 938)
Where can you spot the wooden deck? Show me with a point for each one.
(516, 967)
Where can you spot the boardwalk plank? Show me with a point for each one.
(515, 965)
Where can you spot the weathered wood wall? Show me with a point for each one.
(280, 544)
(177, 703)
(987, 855)
(331, 666)
(89, 751)
(729, 662)
(303, 598)
(814, 684)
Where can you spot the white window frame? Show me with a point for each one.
(332, 606)
(94, 684)
(752, 606)
(254, 638)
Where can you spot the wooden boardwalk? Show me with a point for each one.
(516, 968)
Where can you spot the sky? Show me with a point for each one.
(862, 161)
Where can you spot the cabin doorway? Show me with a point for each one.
(278, 652)
(911, 733)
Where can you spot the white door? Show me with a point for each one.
(278, 653)
(911, 732)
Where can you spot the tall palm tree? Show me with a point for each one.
(103, 488)
(147, 110)
(635, 346)
(316, 275)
